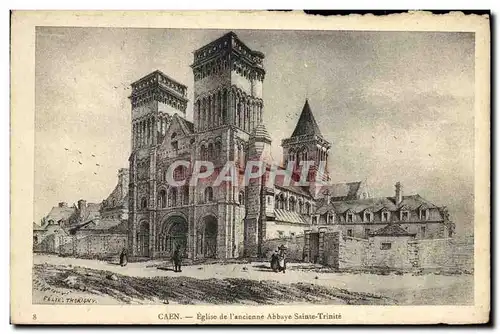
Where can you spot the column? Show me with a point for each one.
(155, 130)
(221, 107)
(133, 136)
(139, 130)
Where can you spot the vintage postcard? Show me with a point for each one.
(249, 168)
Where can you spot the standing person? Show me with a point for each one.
(282, 258)
(177, 258)
(123, 257)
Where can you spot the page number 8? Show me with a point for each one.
(34, 316)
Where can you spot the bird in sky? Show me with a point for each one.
(395, 137)
(80, 152)
(80, 163)
(97, 165)
(373, 137)
(67, 149)
(93, 155)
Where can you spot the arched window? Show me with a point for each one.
(144, 203)
(172, 197)
(277, 202)
(241, 198)
(162, 199)
(203, 152)
(209, 194)
(160, 175)
(292, 204)
(308, 208)
(210, 151)
(282, 201)
(301, 207)
(218, 149)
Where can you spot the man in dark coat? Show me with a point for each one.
(123, 257)
(177, 258)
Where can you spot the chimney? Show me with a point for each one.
(63, 204)
(328, 196)
(399, 193)
(82, 204)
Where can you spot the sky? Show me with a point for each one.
(396, 106)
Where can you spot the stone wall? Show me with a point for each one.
(295, 247)
(339, 251)
(94, 246)
(353, 252)
(443, 253)
(397, 256)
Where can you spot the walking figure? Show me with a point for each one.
(278, 260)
(123, 257)
(177, 258)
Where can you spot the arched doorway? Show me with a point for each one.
(174, 234)
(210, 237)
(143, 239)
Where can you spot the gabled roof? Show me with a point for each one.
(307, 124)
(58, 213)
(392, 230)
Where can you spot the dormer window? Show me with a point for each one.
(386, 216)
(405, 215)
(330, 218)
(349, 217)
(368, 216)
(315, 220)
(424, 214)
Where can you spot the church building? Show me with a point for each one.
(230, 220)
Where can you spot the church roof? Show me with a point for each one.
(342, 191)
(392, 230)
(307, 124)
(290, 217)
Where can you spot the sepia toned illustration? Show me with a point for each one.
(205, 212)
(244, 174)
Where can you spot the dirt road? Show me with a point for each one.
(406, 288)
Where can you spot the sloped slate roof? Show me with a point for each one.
(412, 202)
(294, 189)
(307, 124)
(342, 190)
(106, 224)
(57, 213)
(392, 230)
(289, 217)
